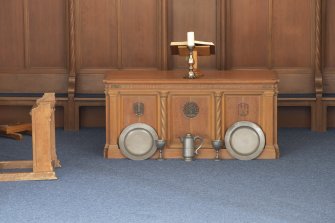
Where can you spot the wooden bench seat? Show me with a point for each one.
(29, 99)
(300, 100)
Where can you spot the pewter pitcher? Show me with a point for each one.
(189, 149)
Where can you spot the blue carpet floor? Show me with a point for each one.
(299, 187)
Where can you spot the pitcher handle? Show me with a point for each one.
(201, 142)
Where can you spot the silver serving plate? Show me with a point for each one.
(245, 140)
(137, 141)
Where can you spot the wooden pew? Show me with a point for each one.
(43, 140)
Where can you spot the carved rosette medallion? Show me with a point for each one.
(191, 109)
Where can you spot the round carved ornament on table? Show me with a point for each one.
(191, 109)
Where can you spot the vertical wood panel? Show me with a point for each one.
(330, 35)
(139, 31)
(329, 47)
(292, 33)
(47, 33)
(296, 82)
(248, 34)
(331, 117)
(179, 124)
(294, 117)
(149, 116)
(96, 33)
(232, 103)
(11, 34)
(92, 116)
(193, 15)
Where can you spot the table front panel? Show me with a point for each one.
(242, 108)
(179, 122)
(139, 107)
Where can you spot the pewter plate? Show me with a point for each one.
(137, 141)
(245, 140)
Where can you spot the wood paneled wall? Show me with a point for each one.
(115, 34)
(33, 43)
(202, 17)
(329, 47)
(275, 34)
(66, 46)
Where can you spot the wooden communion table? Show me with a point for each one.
(221, 97)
